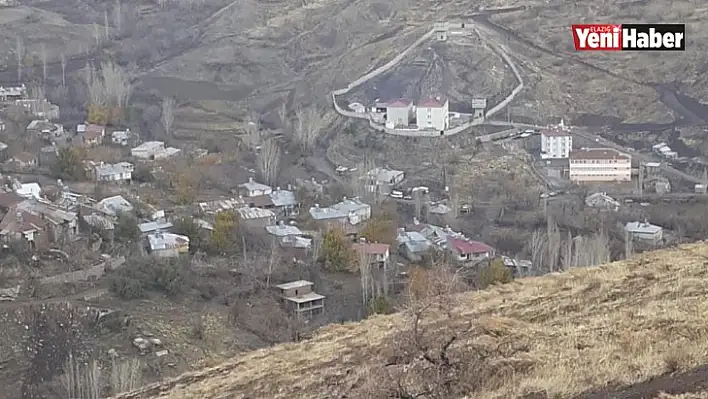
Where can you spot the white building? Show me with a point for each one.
(122, 171)
(644, 231)
(355, 210)
(382, 180)
(28, 190)
(254, 189)
(399, 112)
(167, 245)
(433, 114)
(121, 137)
(599, 165)
(153, 150)
(555, 144)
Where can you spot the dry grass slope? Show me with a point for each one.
(615, 324)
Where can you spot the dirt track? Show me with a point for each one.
(695, 380)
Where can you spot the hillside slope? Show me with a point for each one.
(563, 335)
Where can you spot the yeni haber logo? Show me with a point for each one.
(629, 37)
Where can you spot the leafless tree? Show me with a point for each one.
(309, 123)
(118, 16)
(553, 240)
(283, 117)
(43, 54)
(628, 245)
(20, 53)
(273, 260)
(269, 161)
(110, 87)
(538, 249)
(62, 59)
(168, 114)
(106, 32)
(567, 252)
(40, 100)
(591, 251)
(367, 289)
(316, 248)
(361, 185)
(125, 376)
(97, 34)
(82, 381)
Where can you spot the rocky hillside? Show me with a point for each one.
(586, 333)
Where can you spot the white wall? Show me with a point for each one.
(400, 116)
(556, 146)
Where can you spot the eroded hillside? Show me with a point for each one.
(564, 335)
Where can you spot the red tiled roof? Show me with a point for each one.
(29, 222)
(432, 103)
(372, 248)
(468, 246)
(399, 103)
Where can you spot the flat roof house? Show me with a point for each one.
(253, 189)
(119, 172)
(299, 297)
(598, 165)
(168, 245)
(645, 232)
(382, 180)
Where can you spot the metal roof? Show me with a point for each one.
(295, 284)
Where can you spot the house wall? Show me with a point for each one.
(600, 170)
(166, 253)
(555, 147)
(293, 292)
(648, 236)
(437, 118)
(400, 116)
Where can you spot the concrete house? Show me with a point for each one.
(412, 245)
(398, 112)
(433, 114)
(645, 232)
(382, 180)
(154, 227)
(167, 245)
(602, 201)
(27, 190)
(256, 217)
(556, 144)
(24, 226)
(466, 250)
(119, 172)
(152, 150)
(121, 137)
(60, 223)
(93, 135)
(355, 210)
(598, 165)
(113, 206)
(379, 254)
(13, 93)
(283, 230)
(253, 189)
(285, 201)
(48, 156)
(299, 298)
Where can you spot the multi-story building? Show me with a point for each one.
(556, 144)
(433, 114)
(599, 165)
(398, 112)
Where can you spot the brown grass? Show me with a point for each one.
(696, 395)
(615, 324)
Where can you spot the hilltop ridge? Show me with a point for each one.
(571, 334)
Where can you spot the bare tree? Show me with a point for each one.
(538, 249)
(110, 87)
(106, 32)
(97, 34)
(118, 16)
(309, 123)
(43, 54)
(62, 59)
(269, 161)
(125, 376)
(168, 114)
(20, 53)
(283, 116)
(82, 381)
(367, 289)
(567, 252)
(553, 240)
(40, 100)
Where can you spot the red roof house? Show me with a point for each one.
(379, 253)
(469, 250)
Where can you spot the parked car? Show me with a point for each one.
(396, 194)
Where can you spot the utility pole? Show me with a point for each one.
(627, 245)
